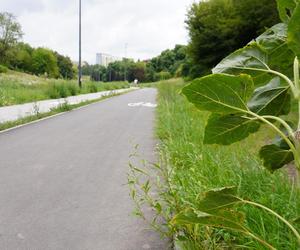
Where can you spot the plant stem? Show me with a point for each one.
(297, 86)
(282, 76)
(298, 115)
(291, 145)
(276, 215)
(296, 76)
(288, 80)
(261, 241)
(283, 123)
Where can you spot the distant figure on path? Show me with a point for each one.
(136, 81)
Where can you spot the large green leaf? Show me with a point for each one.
(285, 8)
(227, 219)
(214, 209)
(274, 42)
(294, 31)
(271, 99)
(227, 129)
(279, 141)
(217, 199)
(220, 93)
(248, 60)
(275, 157)
(269, 50)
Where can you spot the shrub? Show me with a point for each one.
(163, 75)
(63, 90)
(58, 90)
(3, 69)
(73, 89)
(92, 88)
(53, 92)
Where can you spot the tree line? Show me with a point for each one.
(165, 66)
(21, 56)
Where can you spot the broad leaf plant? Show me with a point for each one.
(257, 85)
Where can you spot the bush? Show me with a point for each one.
(53, 92)
(73, 89)
(3, 69)
(163, 75)
(92, 88)
(58, 90)
(63, 90)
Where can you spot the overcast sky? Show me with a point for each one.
(148, 26)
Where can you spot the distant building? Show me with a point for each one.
(105, 59)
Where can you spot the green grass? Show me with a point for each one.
(191, 168)
(155, 84)
(64, 107)
(18, 88)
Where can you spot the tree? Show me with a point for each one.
(10, 33)
(169, 61)
(87, 69)
(65, 66)
(218, 27)
(98, 73)
(44, 62)
(137, 71)
(19, 57)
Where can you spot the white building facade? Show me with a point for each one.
(106, 59)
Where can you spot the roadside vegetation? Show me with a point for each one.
(18, 88)
(188, 168)
(228, 176)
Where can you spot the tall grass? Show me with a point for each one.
(192, 168)
(15, 89)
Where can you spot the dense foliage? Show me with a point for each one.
(252, 86)
(22, 57)
(218, 27)
(10, 32)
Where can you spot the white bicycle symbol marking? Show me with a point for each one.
(142, 104)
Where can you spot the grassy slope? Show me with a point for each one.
(17, 88)
(195, 168)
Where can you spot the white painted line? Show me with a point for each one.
(142, 104)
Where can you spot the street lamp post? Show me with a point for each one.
(125, 73)
(79, 63)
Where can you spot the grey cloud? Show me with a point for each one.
(20, 6)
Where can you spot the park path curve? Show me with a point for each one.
(62, 180)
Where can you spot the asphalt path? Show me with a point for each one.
(62, 180)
